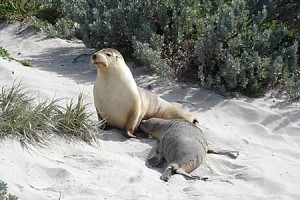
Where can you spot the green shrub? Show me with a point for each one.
(234, 46)
(240, 53)
(3, 192)
(230, 46)
(159, 33)
(53, 20)
(62, 28)
(19, 9)
(151, 58)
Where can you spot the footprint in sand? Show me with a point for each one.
(41, 177)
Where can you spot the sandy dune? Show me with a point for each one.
(266, 132)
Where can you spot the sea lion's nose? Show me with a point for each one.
(94, 56)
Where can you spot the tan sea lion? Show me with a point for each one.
(120, 101)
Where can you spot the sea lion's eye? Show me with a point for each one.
(108, 54)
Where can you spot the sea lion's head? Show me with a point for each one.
(153, 126)
(106, 58)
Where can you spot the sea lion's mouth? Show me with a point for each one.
(98, 64)
(99, 60)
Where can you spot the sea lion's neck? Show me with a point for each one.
(118, 75)
(102, 70)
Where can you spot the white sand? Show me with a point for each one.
(265, 131)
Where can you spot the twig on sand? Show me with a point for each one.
(184, 101)
(75, 60)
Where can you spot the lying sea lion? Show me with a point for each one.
(181, 143)
(120, 101)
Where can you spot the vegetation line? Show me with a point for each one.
(232, 47)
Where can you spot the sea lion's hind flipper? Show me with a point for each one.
(231, 154)
(189, 176)
(167, 173)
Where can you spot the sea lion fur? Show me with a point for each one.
(181, 143)
(120, 101)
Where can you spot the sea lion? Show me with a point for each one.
(120, 101)
(181, 143)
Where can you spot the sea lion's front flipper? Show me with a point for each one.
(154, 161)
(132, 121)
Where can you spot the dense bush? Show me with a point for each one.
(244, 53)
(230, 46)
(19, 9)
(53, 20)
(62, 28)
(161, 34)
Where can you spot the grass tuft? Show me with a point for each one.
(74, 121)
(22, 117)
(26, 63)
(4, 54)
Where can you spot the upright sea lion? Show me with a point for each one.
(181, 143)
(120, 101)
